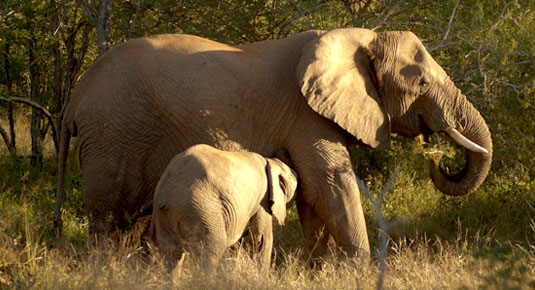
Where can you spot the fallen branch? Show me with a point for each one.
(40, 108)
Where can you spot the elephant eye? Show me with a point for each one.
(424, 84)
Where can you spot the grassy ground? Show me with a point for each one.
(485, 240)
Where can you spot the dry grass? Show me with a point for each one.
(411, 265)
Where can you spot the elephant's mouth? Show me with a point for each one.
(423, 128)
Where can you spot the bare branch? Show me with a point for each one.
(10, 147)
(502, 14)
(58, 6)
(88, 9)
(383, 225)
(441, 45)
(40, 108)
(451, 21)
(477, 88)
(5, 9)
(297, 16)
(387, 14)
(527, 202)
(11, 121)
(133, 24)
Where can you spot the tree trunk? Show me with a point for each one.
(58, 72)
(103, 26)
(9, 82)
(75, 59)
(10, 148)
(37, 124)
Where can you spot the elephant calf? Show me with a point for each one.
(206, 198)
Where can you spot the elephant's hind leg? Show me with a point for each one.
(205, 238)
(102, 186)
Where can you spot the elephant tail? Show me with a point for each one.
(65, 138)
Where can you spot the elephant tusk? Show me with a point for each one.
(465, 142)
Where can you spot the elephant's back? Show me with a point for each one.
(166, 76)
(183, 43)
(142, 58)
(164, 53)
(220, 167)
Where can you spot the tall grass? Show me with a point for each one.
(412, 264)
(486, 240)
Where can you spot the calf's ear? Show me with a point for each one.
(276, 191)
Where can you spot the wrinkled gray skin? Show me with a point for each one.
(311, 94)
(206, 197)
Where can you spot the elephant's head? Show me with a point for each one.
(374, 84)
(282, 183)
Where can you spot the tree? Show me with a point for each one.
(48, 43)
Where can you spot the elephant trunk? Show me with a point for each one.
(472, 126)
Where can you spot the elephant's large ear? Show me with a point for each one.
(338, 80)
(278, 189)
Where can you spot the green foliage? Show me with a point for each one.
(28, 197)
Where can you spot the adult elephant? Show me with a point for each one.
(311, 94)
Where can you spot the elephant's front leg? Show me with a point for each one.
(261, 229)
(329, 199)
(317, 238)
